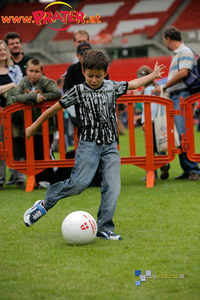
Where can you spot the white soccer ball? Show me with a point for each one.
(79, 227)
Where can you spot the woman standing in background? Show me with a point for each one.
(10, 76)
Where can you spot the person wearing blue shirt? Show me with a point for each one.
(182, 60)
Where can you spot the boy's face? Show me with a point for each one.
(34, 73)
(94, 77)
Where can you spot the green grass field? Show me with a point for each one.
(160, 230)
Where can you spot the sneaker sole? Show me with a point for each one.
(107, 237)
(10, 183)
(26, 216)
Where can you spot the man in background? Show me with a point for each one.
(80, 36)
(13, 40)
(182, 60)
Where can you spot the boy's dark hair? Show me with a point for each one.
(11, 35)
(173, 33)
(35, 62)
(95, 59)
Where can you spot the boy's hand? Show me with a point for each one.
(158, 70)
(30, 132)
(41, 98)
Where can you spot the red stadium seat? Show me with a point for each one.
(119, 69)
(130, 17)
(125, 69)
(54, 71)
(189, 19)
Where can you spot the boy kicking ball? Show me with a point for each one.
(95, 102)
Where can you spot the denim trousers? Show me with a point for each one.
(88, 157)
(187, 165)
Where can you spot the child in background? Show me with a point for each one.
(143, 71)
(98, 138)
(36, 88)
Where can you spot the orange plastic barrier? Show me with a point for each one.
(150, 162)
(188, 142)
(31, 167)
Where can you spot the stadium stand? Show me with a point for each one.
(126, 68)
(190, 17)
(119, 18)
(119, 69)
(27, 30)
(54, 71)
(125, 17)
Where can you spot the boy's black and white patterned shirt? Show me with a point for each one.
(96, 110)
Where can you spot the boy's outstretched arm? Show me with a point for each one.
(157, 73)
(50, 112)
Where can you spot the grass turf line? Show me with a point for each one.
(160, 230)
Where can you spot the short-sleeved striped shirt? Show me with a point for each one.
(182, 57)
(96, 110)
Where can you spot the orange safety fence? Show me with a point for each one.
(149, 162)
(188, 140)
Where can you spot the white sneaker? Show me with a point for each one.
(109, 235)
(34, 213)
(44, 184)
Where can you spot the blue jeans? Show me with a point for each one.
(187, 165)
(88, 157)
